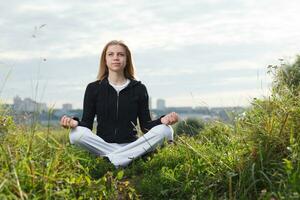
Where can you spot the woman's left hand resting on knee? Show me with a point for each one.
(68, 122)
(170, 118)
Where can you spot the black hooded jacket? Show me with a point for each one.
(117, 114)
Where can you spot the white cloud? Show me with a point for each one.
(237, 65)
(145, 29)
(23, 8)
(218, 42)
(167, 71)
(218, 98)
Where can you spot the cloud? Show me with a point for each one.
(178, 46)
(88, 26)
(219, 98)
(42, 8)
(168, 71)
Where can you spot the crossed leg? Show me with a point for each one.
(121, 154)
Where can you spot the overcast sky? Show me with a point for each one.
(191, 52)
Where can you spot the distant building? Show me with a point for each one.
(160, 104)
(17, 103)
(43, 107)
(185, 109)
(202, 109)
(28, 105)
(67, 106)
(150, 103)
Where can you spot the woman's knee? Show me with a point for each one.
(76, 134)
(166, 130)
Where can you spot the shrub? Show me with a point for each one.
(6, 122)
(286, 77)
(190, 127)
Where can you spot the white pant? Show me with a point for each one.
(121, 154)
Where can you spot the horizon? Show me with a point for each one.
(152, 107)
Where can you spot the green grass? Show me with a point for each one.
(43, 165)
(256, 157)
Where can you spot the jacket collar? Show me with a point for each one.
(132, 83)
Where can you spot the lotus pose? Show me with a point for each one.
(118, 100)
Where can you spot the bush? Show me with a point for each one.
(286, 77)
(6, 122)
(190, 127)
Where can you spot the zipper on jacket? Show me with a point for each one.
(117, 106)
(117, 112)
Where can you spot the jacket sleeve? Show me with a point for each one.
(145, 120)
(89, 107)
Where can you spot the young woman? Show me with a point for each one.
(118, 100)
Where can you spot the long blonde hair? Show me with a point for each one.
(129, 71)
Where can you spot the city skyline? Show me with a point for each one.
(190, 53)
(27, 104)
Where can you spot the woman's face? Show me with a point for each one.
(116, 58)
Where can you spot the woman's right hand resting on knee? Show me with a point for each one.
(170, 118)
(68, 122)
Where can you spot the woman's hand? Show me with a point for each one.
(68, 122)
(170, 118)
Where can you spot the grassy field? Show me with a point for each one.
(257, 156)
